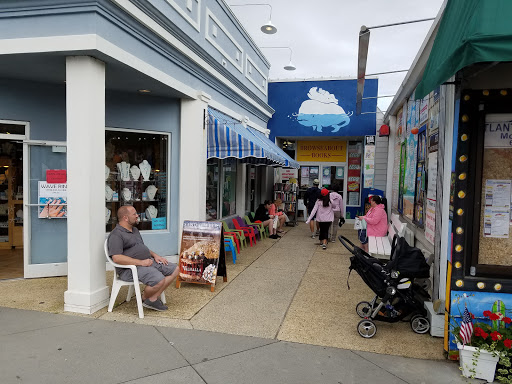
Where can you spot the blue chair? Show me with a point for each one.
(229, 246)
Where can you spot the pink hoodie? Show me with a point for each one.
(376, 221)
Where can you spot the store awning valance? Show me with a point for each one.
(229, 138)
(470, 31)
(289, 162)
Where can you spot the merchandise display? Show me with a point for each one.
(138, 176)
(151, 192)
(124, 170)
(108, 193)
(151, 212)
(135, 172)
(287, 193)
(145, 169)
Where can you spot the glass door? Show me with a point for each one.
(45, 237)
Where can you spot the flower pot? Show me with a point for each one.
(479, 365)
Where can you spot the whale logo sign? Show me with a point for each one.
(321, 110)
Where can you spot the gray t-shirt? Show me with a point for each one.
(123, 242)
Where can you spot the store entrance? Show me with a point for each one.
(11, 208)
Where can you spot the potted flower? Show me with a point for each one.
(481, 346)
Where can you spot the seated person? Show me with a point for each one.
(262, 215)
(272, 210)
(126, 247)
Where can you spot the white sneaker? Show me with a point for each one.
(324, 246)
(313, 236)
(333, 240)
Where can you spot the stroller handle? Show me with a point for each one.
(344, 241)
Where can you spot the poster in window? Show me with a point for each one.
(410, 176)
(326, 176)
(430, 221)
(353, 198)
(340, 173)
(424, 109)
(200, 252)
(52, 199)
(497, 208)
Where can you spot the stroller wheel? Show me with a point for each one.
(420, 324)
(363, 309)
(366, 328)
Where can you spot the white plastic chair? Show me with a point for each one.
(302, 207)
(118, 283)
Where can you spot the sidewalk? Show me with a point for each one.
(48, 348)
(280, 292)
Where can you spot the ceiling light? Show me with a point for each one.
(269, 28)
(144, 91)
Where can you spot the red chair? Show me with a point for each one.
(248, 231)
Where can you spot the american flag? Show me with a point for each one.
(466, 327)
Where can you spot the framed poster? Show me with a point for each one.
(200, 252)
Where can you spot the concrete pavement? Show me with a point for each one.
(42, 348)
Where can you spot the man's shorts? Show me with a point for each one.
(151, 275)
(311, 210)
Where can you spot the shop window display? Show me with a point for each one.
(228, 187)
(136, 173)
(212, 188)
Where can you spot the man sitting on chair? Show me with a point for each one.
(126, 247)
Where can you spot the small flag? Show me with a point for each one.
(466, 327)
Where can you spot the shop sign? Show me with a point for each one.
(498, 134)
(56, 176)
(424, 109)
(369, 140)
(322, 151)
(200, 252)
(52, 199)
(287, 174)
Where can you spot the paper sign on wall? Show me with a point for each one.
(497, 208)
(52, 199)
(56, 176)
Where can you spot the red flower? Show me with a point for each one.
(472, 316)
(494, 316)
(508, 343)
(507, 320)
(478, 331)
(484, 335)
(496, 336)
(487, 313)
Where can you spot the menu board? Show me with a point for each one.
(200, 252)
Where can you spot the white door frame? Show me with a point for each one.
(35, 270)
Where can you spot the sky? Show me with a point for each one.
(324, 37)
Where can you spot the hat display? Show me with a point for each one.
(324, 192)
(316, 182)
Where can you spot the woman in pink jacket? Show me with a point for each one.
(376, 222)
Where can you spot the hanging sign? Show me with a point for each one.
(287, 174)
(200, 252)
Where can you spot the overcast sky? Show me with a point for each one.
(323, 35)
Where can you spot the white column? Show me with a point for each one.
(241, 188)
(193, 129)
(85, 118)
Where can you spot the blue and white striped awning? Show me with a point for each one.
(289, 162)
(229, 138)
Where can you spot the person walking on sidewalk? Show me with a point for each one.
(324, 215)
(126, 247)
(337, 207)
(310, 198)
(376, 222)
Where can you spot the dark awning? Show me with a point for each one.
(471, 31)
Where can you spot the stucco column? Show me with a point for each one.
(193, 130)
(85, 118)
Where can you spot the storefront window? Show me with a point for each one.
(212, 189)
(136, 174)
(228, 187)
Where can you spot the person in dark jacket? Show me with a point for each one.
(310, 198)
(262, 215)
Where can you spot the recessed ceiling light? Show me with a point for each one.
(144, 91)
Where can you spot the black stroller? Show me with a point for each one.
(397, 296)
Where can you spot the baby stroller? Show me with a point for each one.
(397, 296)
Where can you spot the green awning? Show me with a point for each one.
(471, 31)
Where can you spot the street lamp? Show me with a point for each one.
(290, 66)
(267, 28)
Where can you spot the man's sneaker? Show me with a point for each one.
(324, 246)
(156, 305)
(333, 240)
(313, 236)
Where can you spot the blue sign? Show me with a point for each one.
(321, 108)
(159, 223)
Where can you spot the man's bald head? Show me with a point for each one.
(123, 211)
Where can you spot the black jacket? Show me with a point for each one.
(311, 196)
(261, 213)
